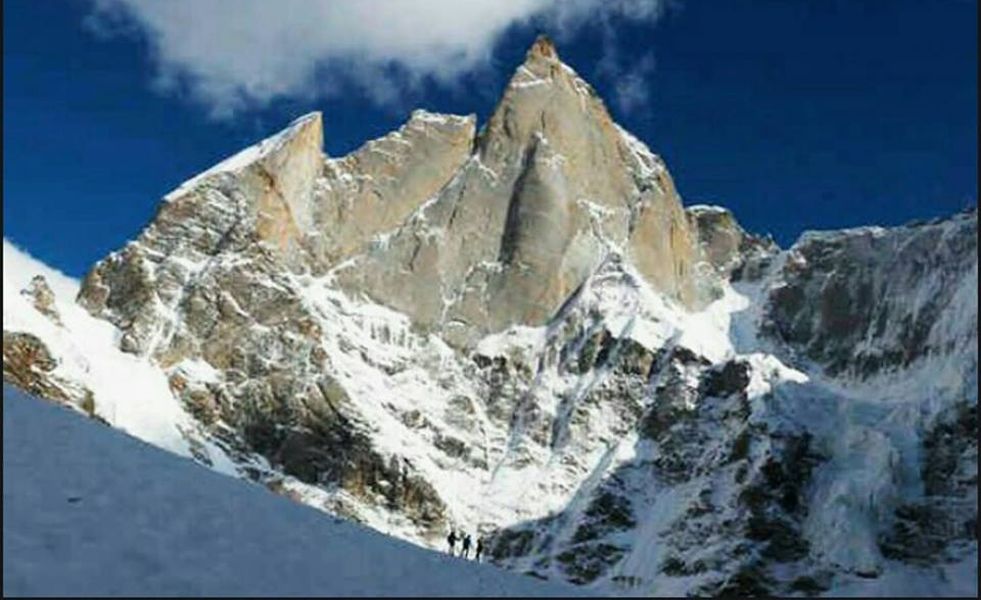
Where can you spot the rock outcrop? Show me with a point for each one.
(732, 252)
(42, 298)
(28, 364)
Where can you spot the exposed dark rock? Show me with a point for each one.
(732, 378)
(676, 567)
(841, 288)
(608, 512)
(452, 446)
(583, 563)
(925, 531)
(775, 501)
(635, 359)
(740, 446)
(511, 543)
(24, 353)
(811, 585)
(948, 446)
(750, 581)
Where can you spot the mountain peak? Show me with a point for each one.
(305, 135)
(542, 48)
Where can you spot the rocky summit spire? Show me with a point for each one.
(554, 187)
(542, 49)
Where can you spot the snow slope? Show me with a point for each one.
(90, 511)
(88, 354)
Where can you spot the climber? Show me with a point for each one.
(465, 551)
(451, 540)
(479, 549)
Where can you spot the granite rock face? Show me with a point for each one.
(552, 186)
(373, 190)
(255, 204)
(467, 235)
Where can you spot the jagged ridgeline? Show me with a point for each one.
(520, 330)
(466, 233)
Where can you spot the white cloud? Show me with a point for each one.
(630, 77)
(632, 86)
(234, 54)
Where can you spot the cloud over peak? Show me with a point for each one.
(230, 55)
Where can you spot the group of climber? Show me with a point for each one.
(465, 543)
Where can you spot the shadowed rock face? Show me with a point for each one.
(871, 299)
(926, 530)
(739, 497)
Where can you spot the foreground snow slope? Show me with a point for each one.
(88, 510)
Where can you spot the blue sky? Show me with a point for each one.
(796, 115)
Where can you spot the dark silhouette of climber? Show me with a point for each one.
(466, 546)
(451, 540)
(479, 549)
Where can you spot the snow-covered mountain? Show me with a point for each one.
(522, 330)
